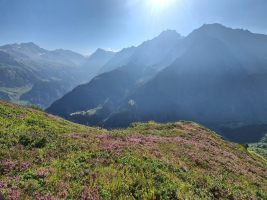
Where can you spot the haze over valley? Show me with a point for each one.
(133, 99)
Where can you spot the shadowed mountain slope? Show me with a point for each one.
(217, 77)
(110, 88)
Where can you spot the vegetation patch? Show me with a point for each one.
(45, 157)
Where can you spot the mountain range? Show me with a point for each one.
(32, 75)
(161, 90)
(216, 76)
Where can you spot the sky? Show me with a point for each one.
(85, 25)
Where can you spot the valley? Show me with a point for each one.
(223, 87)
(133, 100)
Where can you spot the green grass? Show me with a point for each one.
(259, 148)
(46, 157)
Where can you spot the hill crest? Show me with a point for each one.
(46, 157)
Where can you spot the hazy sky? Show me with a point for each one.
(84, 25)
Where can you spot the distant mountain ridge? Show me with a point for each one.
(215, 75)
(134, 69)
(97, 61)
(31, 74)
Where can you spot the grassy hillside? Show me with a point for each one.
(44, 157)
(260, 147)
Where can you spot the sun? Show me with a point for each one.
(159, 5)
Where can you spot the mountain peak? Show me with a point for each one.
(29, 45)
(101, 51)
(28, 49)
(211, 28)
(213, 25)
(216, 27)
(169, 34)
(165, 36)
(100, 56)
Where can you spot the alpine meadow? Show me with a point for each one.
(133, 100)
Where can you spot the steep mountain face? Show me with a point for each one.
(119, 60)
(156, 54)
(149, 55)
(107, 90)
(47, 75)
(209, 83)
(45, 157)
(95, 63)
(13, 73)
(45, 92)
(217, 77)
(103, 89)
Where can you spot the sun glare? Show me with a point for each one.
(159, 5)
